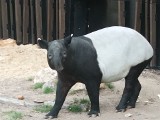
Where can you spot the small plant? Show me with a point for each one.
(48, 90)
(43, 108)
(81, 105)
(75, 108)
(110, 86)
(84, 101)
(13, 115)
(38, 85)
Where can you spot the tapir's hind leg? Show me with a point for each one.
(135, 94)
(132, 87)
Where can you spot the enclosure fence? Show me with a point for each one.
(27, 20)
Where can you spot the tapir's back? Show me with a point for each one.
(118, 49)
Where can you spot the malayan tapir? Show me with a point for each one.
(106, 55)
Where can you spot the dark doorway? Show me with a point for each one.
(85, 16)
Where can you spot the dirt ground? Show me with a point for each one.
(20, 63)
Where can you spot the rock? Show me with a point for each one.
(45, 75)
(146, 102)
(38, 101)
(4, 99)
(103, 86)
(128, 115)
(49, 103)
(49, 84)
(158, 96)
(78, 86)
(20, 97)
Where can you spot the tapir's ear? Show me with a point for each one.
(67, 40)
(42, 43)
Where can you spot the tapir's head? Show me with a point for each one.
(56, 52)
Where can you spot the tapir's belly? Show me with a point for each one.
(111, 75)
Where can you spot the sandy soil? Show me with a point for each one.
(20, 63)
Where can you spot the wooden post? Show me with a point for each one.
(32, 22)
(61, 18)
(12, 25)
(0, 22)
(4, 18)
(57, 18)
(25, 21)
(147, 19)
(121, 13)
(38, 18)
(50, 20)
(153, 29)
(18, 18)
(138, 9)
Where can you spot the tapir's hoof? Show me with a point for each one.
(93, 114)
(48, 116)
(130, 107)
(120, 109)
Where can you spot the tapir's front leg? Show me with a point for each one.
(63, 86)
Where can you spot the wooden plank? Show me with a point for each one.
(57, 18)
(32, 22)
(50, 20)
(153, 29)
(61, 18)
(4, 18)
(138, 9)
(25, 21)
(158, 35)
(121, 12)
(18, 21)
(11, 20)
(0, 22)
(147, 19)
(38, 18)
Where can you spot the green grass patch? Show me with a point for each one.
(13, 115)
(38, 85)
(48, 90)
(75, 108)
(79, 106)
(43, 108)
(110, 86)
(84, 101)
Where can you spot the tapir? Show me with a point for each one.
(106, 55)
